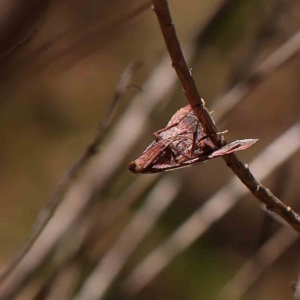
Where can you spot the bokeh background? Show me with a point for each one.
(61, 62)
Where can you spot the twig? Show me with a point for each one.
(185, 75)
(255, 266)
(47, 212)
(214, 209)
(139, 226)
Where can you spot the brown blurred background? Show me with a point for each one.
(60, 64)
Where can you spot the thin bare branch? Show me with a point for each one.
(241, 170)
(214, 209)
(47, 212)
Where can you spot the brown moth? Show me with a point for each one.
(182, 143)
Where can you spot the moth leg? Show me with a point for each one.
(219, 134)
(173, 154)
(194, 139)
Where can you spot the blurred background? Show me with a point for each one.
(194, 233)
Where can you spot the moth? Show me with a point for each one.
(182, 143)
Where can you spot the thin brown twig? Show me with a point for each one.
(274, 61)
(213, 210)
(63, 186)
(185, 75)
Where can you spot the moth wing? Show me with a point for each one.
(233, 147)
(148, 157)
(179, 115)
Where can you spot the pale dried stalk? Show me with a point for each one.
(273, 62)
(134, 119)
(254, 267)
(47, 212)
(94, 232)
(160, 198)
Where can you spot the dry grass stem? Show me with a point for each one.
(67, 181)
(134, 119)
(94, 232)
(160, 198)
(255, 266)
(273, 62)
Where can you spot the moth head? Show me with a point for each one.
(134, 167)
